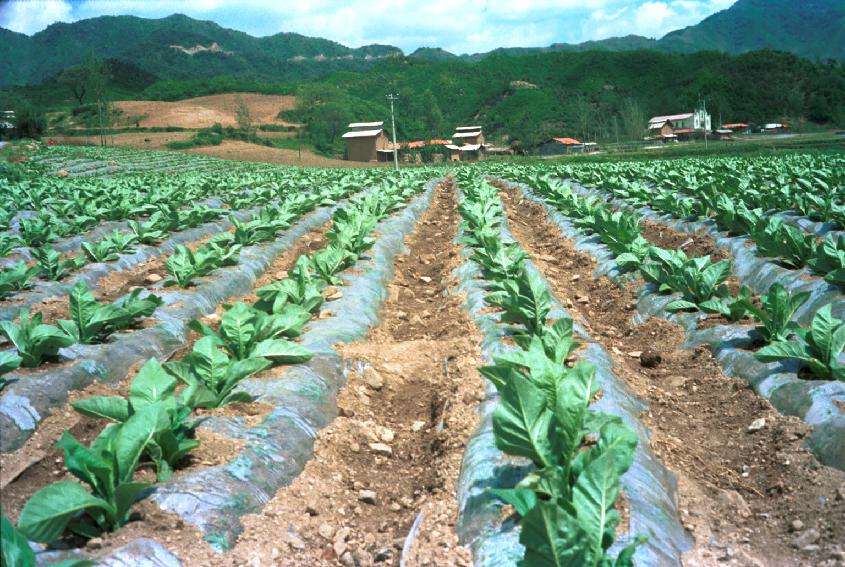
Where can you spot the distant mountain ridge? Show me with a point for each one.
(179, 47)
(814, 29)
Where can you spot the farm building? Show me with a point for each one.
(738, 127)
(697, 122)
(467, 144)
(661, 131)
(366, 141)
(775, 128)
(559, 146)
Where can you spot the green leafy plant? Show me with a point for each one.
(211, 375)
(152, 385)
(331, 260)
(732, 308)
(791, 246)
(93, 322)
(247, 332)
(34, 340)
(108, 468)
(8, 242)
(38, 231)
(122, 243)
(776, 311)
(52, 266)
(819, 348)
(8, 361)
(524, 300)
(17, 278)
(146, 233)
(830, 259)
(696, 279)
(102, 251)
(299, 288)
(185, 265)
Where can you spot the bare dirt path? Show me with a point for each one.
(752, 498)
(395, 451)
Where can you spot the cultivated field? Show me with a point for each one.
(205, 111)
(213, 362)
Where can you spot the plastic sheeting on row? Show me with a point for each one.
(30, 396)
(74, 243)
(94, 272)
(304, 397)
(814, 401)
(648, 486)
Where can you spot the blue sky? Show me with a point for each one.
(460, 26)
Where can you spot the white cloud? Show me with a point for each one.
(30, 17)
(460, 26)
(651, 18)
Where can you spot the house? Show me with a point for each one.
(467, 144)
(687, 125)
(559, 146)
(661, 130)
(724, 134)
(738, 127)
(366, 141)
(775, 128)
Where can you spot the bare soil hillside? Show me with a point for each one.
(233, 149)
(202, 112)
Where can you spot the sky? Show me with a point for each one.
(459, 26)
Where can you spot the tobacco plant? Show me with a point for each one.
(819, 347)
(17, 278)
(34, 340)
(246, 332)
(152, 385)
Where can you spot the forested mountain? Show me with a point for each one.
(593, 94)
(179, 47)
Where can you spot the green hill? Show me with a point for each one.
(180, 48)
(177, 47)
(814, 29)
(590, 94)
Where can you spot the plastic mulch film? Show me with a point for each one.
(31, 395)
(141, 552)
(93, 272)
(303, 396)
(649, 487)
(74, 243)
(819, 403)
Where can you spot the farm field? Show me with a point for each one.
(205, 111)
(214, 362)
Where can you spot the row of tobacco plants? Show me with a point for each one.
(701, 285)
(567, 504)
(153, 424)
(744, 198)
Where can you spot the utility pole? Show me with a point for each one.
(704, 117)
(392, 97)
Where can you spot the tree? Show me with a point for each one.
(243, 117)
(30, 121)
(433, 121)
(583, 114)
(633, 119)
(76, 79)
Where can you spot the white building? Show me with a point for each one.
(698, 120)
